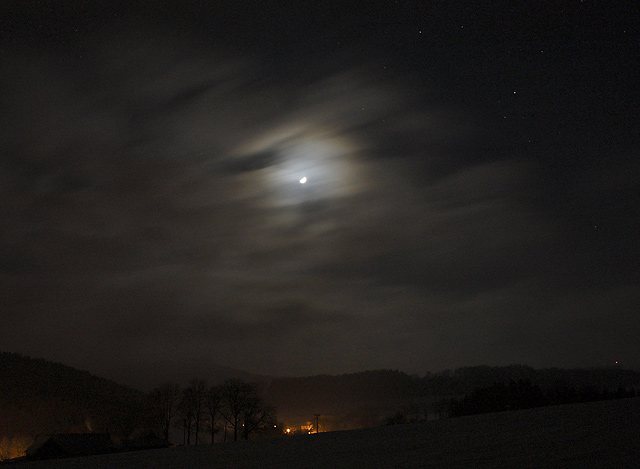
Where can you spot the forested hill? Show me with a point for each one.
(368, 398)
(610, 378)
(39, 396)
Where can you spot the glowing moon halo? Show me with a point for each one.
(303, 180)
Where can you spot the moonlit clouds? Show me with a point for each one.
(152, 204)
(193, 180)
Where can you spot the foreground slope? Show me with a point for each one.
(601, 434)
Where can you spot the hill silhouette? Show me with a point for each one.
(39, 396)
(146, 377)
(371, 398)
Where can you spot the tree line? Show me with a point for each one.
(500, 396)
(523, 394)
(234, 406)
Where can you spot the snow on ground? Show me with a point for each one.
(593, 435)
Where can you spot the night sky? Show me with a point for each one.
(472, 185)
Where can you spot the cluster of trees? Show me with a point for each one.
(234, 406)
(38, 396)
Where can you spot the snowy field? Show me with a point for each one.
(593, 435)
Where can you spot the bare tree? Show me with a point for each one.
(199, 389)
(212, 403)
(235, 392)
(191, 409)
(244, 409)
(258, 416)
(161, 406)
(186, 414)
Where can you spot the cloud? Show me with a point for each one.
(151, 208)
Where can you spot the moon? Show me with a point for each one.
(303, 180)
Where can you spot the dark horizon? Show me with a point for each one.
(470, 186)
(603, 379)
